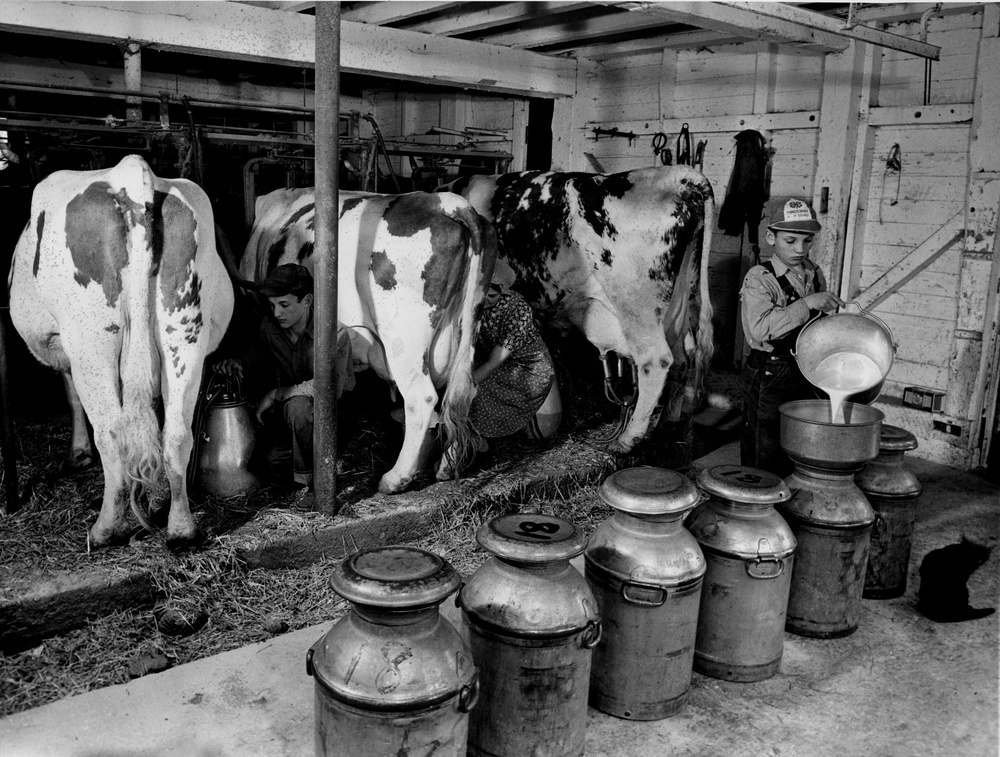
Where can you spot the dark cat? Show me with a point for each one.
(943, 596)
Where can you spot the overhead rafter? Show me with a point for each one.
(812, 20)
(486, 16)
(238, 31)
(679, 41)
(389, 13)
(745, 23)
(577, 31)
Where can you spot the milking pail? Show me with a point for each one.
(749, 550)
(892, 490)
(852, 349)
(533, 624)
(393, 676)
(646, 572)
(226, 439)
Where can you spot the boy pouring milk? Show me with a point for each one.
(777, 299)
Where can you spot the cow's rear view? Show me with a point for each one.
(624, 258)
(116, 283)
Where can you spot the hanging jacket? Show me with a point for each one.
(748, 189)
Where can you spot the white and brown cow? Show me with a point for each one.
(412, 274)
(623, 257)
(116, 283)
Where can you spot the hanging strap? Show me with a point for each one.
(684, 147)
(893, 164)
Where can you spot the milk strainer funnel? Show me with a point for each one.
(851, 350)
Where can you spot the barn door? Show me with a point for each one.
(908, 264)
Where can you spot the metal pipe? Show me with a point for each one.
(326, 256)
(7, 446)
(132, 51)
(174, 97)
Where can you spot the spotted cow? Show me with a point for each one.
(412, 273)
(115, 282)
(622, 257)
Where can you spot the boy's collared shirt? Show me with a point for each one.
(765, 310)
(294, 360)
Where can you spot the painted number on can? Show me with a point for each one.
(744, 477)
(534, 529)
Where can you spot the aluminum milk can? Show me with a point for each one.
(892, 491)
(393, 676)
(830, 516)
(750, 550)
(646, 572)
(533, 623)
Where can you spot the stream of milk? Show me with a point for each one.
(843, 374)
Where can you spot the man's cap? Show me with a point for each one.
(288, 279)
(503, 275)
(795, 215)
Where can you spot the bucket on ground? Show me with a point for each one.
(393, 676)
(533, 623)
(226, 440)
(749, 550)
(646, 572)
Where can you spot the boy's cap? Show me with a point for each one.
(795, 216)
(287, 279)
(503, 275)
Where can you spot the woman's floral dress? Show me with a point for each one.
(510, 396)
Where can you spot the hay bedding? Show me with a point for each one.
(210, 590)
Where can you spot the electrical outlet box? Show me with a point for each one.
(949, 428)
(923, 398)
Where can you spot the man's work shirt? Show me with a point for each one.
(766, 310)
(293, 361)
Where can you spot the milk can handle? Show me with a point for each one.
(662, 593)
(592, 634)
(468, 695)
(309, 657)
(755, 570)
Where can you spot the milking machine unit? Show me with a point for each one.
(225, 438)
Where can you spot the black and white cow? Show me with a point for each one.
(413, 270)
(624, 258)
(116, 283)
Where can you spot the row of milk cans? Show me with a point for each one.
(679, 578)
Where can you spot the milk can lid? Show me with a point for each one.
(648, 491)
(395, 577)
(896, 439)
(531, 538)
(738, 483)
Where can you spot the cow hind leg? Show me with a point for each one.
(652, 371)
(80, 454)
(418, 403)
(179, 401)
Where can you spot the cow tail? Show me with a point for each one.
(705, 344)
(461, 314)
(138, 433)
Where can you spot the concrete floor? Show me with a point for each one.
(901, 686)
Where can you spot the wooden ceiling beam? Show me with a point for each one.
(574, 31)
(739, 19)
(466, 21)
(682, 41)
(237, 31)
(379, 13)
(831, 25)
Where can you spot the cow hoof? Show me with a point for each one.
(78, 462)
(615, 447)
(178, 543)
(386, 485)
(112, 537)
